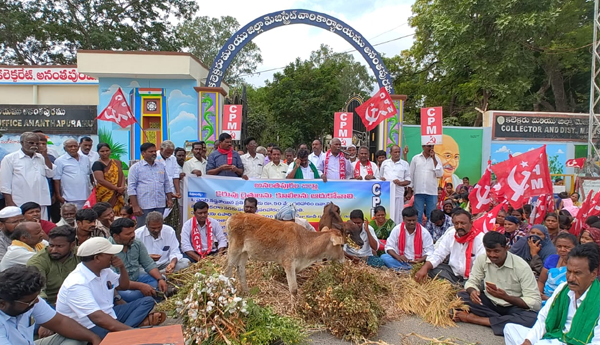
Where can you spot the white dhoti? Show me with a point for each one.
(396, 214)
(515, 335)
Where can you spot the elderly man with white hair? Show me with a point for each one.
(165, 154)
(72, 176)
(335, 166)
(23, 175)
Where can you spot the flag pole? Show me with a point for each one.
(143, 131)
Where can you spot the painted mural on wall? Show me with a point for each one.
(557, 153)
(179, 113)
(460, 151)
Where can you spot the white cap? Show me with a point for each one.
(10, 211)
(98, 245)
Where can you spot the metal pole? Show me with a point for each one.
(594, 88)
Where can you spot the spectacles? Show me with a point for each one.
(30, 303)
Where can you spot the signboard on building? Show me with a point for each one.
(44, 75)
(531, 126)
(52, 119)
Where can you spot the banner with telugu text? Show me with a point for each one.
(225, 196)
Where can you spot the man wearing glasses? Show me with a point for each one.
(10, 217)
(20, 308)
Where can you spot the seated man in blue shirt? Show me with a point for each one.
(225, 161)
(20, 308)
(136, 257)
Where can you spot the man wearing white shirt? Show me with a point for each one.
(26, 242)
(317, 155)
(197, 164)
(253, 161)
(165, 154)
(201, 235)
(276, 169)
(162, 245)
(367, 235)
(302, 168)
(335, 166)
(72, 176)
(409, 243)
(571, 315)
(85, 148)
(398, 172)
(363, 168)
(462, 243)
(425, 171)
(24, 173)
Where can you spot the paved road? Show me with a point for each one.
(393, 331)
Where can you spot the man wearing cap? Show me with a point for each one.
(10, 217)
(288, 213)
(21, 308)
(88, 294)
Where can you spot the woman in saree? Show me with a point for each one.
(110, 179)
(554, 272)
(381, 225)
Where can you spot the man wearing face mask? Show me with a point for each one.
(425, 171)
(462, 243)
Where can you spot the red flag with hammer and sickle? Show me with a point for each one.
(480, 197)
(118, 111)
(376, 109)
(524, 176)
(488, 221)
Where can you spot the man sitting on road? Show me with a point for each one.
(409, 243)
(437, 224)
(135, 257)
(201, 235)
(10, 217)
(88, 294)
(462, 243)
(511, 292)
(162, 244)
(571, 315)
(27, 240)
(20, 308)
(86, 226)
(67, 214)
(370, 243)
(288, 213)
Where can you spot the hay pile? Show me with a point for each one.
(350, 300)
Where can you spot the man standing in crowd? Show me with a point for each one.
(511, 292)
(302, 168)
(250, 205)
(162, 245)
(398, 172)
(20, 307)
(23, 175)
(136, 258)
(165, 155)
(351, 156)
(425, 171)
(335, 166)
(201, 235)
(197, 164)
(462, 243)
(290, 153)
(571, 315)
(10, 217)
(275, 169)
(317, 154)
(363, 168)
(85, 148)
(56, 261)
(269, 151)
(149, 186)
(409, 243)
(253, 162)
(67, 214)
(26, 241)
(43, 149)
(225, 161)
(86, 226)
(88, 294)
(72, 176)
(380, 157)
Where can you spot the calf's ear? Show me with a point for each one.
(325, 229)
(337, 240)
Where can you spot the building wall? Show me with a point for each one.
(49, 94)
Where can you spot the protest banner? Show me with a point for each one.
(431, 126)
(232, 120)
(342, 127)
(225, 196)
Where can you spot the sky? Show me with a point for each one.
(376, 20)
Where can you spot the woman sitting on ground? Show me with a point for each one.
(382, 226)
(512, 231)
(551, 223)
(524, 225)
(590, 235)
(554, 272)
(499, 227)
(535, 248)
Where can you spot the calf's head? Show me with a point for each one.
(351, 232)
(335, 251)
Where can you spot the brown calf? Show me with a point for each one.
(287, 243)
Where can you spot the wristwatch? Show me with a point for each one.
(117, 298)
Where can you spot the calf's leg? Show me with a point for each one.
(241, 268)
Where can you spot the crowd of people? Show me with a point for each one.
(89, 270)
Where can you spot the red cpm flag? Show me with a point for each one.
(480, 197)
(376, 109)
(575, 163)
(586, 209)
(118, 111)
(488, 221)
(524, 176)
(543, 205)
(91, 200)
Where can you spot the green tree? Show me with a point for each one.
(51, 31)
(204, 36)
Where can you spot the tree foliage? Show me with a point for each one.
(204, 37)
(492, 54)
(50, 31)
(297, 106)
